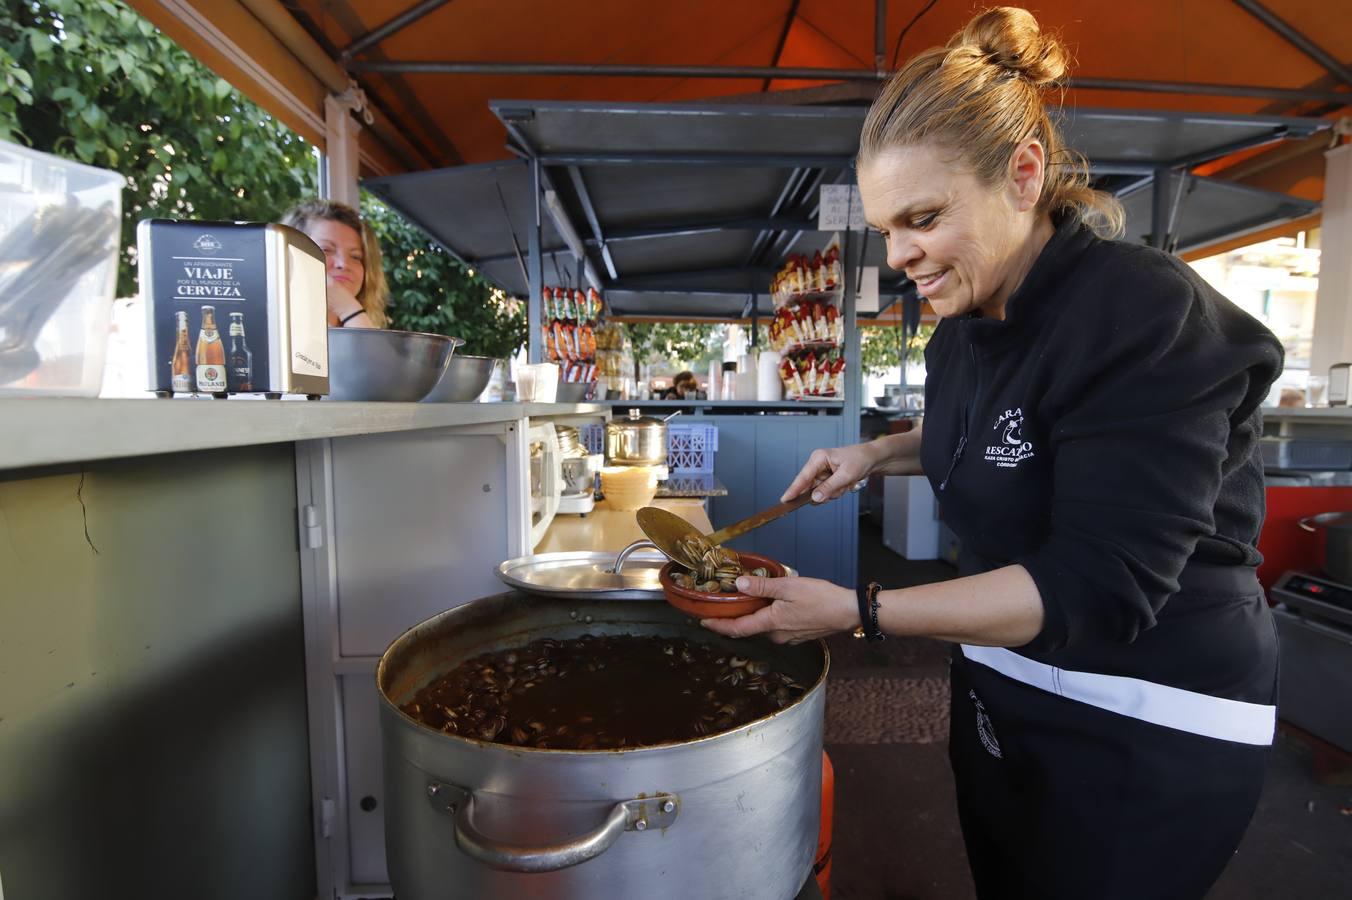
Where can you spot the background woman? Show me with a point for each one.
(1092, 416)
(357, 292)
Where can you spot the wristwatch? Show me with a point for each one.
(868, 612)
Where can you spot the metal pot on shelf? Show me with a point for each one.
(1337, 528)
(728, 815)
(637, 440)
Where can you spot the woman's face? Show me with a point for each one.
(960, 241)
(343, 255)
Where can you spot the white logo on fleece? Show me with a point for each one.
(984, 729)
(1011, 449)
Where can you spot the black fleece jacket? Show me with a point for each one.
(1102, 435)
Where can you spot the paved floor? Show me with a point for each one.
(896, 835)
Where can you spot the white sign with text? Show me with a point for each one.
(840, 208)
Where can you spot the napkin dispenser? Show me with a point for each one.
(233, 308)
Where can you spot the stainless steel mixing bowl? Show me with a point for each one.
(380, 364)
(463, 381)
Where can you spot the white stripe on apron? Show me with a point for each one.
(1215, 717)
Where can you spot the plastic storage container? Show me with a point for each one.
(691, 448)
(60, 230)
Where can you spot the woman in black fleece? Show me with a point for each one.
(1092, 419)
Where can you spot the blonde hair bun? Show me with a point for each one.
(982, 94)
(1010, 37)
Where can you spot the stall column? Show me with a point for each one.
(535, 309)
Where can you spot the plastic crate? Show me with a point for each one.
(593, 437)
(691, 448)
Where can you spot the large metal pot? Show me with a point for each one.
(730, 815)
(637, 440)
(1337, 528)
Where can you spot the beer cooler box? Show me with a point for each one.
(233, 308)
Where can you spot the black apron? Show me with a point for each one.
(1086, 785)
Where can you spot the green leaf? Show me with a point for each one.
(41, 44)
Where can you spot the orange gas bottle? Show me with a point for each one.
(822, 865)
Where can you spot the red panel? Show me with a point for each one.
(822, 861)
(1283, 544)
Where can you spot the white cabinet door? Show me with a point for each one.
(421, 522)
(365, 804)
(394, 528)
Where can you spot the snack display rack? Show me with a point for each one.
(808, 329)
(572, 320)
(614, 359)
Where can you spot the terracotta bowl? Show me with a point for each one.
(705, 605)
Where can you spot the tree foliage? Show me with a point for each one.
(678, 345)
(880, 347)
(93, 81)
(430, 290)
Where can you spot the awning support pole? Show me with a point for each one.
(398, 23)
(854, 386)
(1159, 208)
(340, 141)
(589, 211)
(535, 264)
(1297, 39)
(880, 36)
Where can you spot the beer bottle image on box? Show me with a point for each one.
(180, 369)
(210, 355)
(240, 361)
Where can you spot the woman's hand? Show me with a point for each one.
(803, 609)
(832, 473)
(343, 303)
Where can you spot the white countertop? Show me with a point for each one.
(41, 431)
(1335, 414)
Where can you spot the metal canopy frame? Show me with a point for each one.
(726, 191)
(775, 73)
(730, 190)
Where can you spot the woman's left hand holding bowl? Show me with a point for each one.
(802, 609)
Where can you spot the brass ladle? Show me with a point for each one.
(668, 531)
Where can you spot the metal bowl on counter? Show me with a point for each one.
(381, 364)
(463, 381)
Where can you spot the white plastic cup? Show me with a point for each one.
(538, 383)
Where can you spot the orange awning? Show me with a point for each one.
(446, 120)
(1195, 41)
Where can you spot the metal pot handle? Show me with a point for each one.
(1323, 520)
(640, 814)
(629, 551)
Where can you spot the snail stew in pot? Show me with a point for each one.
(603, 692)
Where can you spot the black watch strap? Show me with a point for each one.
(868, 611)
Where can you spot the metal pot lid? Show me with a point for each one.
(585, 574)
(636, 421)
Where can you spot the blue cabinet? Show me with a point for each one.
(757, 458)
